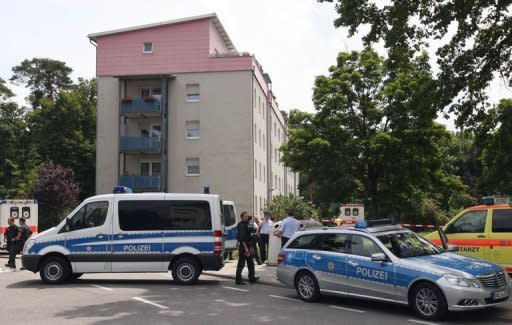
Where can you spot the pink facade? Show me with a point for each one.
(177, 48)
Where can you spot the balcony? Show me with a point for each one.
(140, 144)
(140, 106)
(140, 183)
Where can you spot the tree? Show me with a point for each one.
(373, 137)
(45, 78)
(56, 191)
(280, 203)
(18, 158)
(497, 152)
(474, 35)
(5, 92)
(64, 131)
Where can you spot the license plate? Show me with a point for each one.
(499, 294)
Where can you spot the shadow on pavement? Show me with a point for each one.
(38, 284)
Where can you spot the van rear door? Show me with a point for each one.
(230, 222)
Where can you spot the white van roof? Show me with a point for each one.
(156, 195)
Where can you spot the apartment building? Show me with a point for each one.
(179, 108)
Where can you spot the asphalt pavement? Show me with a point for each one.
(153, 298)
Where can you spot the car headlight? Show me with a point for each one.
(462, 282)
(28, 245)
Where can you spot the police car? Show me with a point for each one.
(381, 261)
(126, 232)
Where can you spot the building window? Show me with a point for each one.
(255, 169)
(193, 130)
(264, 142)
(260, 173)
(193, 93)
(147, 47)
(144, 92)
(148, 168)
(193, 168)
(255, 134)
(264, 174)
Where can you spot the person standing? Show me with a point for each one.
(265, 227)
(10, 234)
(289, 227)
(244, 250)
(254, 228)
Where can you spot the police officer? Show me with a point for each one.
(244, 250)
(289, 227)
(255, 238)
(10, 233)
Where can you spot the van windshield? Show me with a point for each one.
(408, 244)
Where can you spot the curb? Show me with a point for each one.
(260, 281)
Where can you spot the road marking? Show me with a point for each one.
(284, 298)
(150, 303)
(347, 309)
(236, 289)
(102, 287)
(421, 322)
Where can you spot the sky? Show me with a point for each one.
(294, 40)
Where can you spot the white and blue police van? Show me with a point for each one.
(127, 232)
(380, 261)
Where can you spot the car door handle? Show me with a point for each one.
(481, 236)
(119, 235)
(316, 257)
(352, 263)
(101, 236)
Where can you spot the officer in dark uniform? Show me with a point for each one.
(244, 250)
(11, 233)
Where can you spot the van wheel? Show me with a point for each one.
(428, 301)
(307, 287)
(185, 270)
(54, 270)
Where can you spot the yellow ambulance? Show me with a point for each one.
(482, 231)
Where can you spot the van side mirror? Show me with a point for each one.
(379, 257)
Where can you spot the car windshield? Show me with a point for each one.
(408, 244)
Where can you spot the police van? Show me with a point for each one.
(145, 232)
(392, 264)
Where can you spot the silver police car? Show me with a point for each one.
(386, 262)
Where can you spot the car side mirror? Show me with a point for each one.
(452, 248)
(379, 257)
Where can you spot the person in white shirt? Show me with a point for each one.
(289, 227)
(264, 231)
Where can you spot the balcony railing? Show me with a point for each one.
(141, 182)
(140, 144)
(140, 106)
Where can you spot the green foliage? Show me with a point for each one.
(5, 92)
(64, 131)
(474, 35)
(45, 78)
(18, 159)
(374, 139)
(280, 203)
(497, 153)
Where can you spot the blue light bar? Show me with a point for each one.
(122, 189)
(361, 224)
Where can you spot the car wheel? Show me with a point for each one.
(186, 270)
(54, 270)
(428, 301)
(307, 287)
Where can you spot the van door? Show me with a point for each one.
(501, 238)
(137, 242)
(87, 236)
(470, 232)
(230, 223)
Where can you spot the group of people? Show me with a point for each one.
(15, 237)
(253, 233)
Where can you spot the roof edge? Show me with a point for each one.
(212, 16)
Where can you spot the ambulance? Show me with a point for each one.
(482, 231)
(16, 209)
(350, 214)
